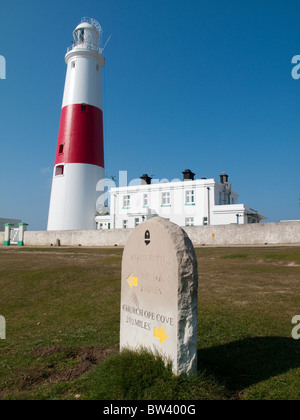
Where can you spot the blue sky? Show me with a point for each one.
(198, 84)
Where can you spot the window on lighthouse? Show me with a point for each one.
(59, 170)
(81, 35)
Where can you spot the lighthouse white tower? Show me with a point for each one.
(79, 161)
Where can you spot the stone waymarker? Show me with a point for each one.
(159, 294)
(2, 328)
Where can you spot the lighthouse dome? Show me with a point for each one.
(87, 34)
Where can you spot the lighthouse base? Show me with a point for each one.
(74, 196)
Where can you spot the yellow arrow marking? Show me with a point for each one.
(160, 333)
(132, 281)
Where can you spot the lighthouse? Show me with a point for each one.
(79, 159)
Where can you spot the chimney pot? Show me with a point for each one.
(188, 175)
(223, 178)
(146, 179)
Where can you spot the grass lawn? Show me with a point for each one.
(61, 307)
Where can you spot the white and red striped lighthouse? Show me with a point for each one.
(79, 161)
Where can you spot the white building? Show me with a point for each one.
(191, 202)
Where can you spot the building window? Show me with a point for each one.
(73, 64)
(205, 221)
(190, 197)
(146, 201)
(125, 224)
(97, 67)
(189, 221)
(61, 149)
(59, 170)
(126, 201)
(136, 221)
(166, 199)
(83, 108)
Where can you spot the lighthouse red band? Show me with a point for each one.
(79, 159)
(80, 137)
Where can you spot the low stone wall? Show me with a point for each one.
(115, 237)
(287, 233)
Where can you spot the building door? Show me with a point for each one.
(14, 235)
